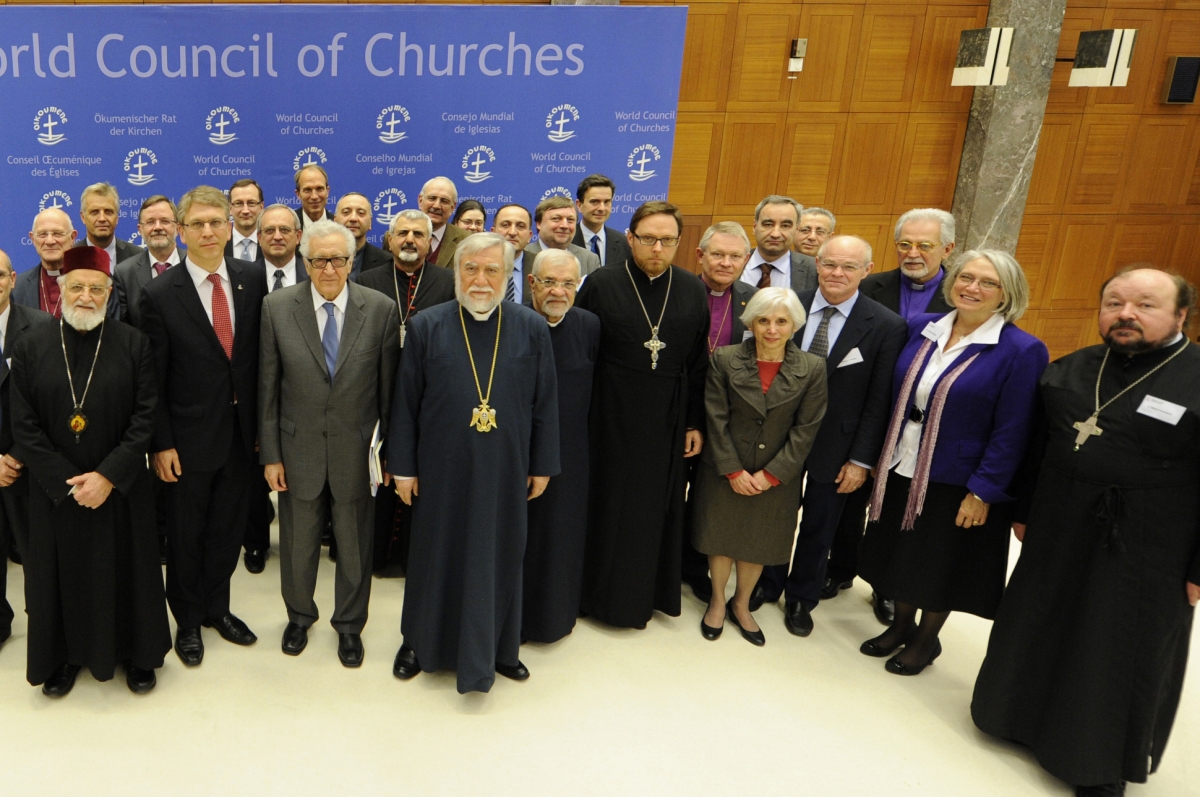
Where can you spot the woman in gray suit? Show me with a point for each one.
(764, 402)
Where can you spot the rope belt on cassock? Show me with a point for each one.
(1110, 510)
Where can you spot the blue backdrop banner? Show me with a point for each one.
(512, 103)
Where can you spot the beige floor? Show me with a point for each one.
(656, 712)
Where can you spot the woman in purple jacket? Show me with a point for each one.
(963, 400)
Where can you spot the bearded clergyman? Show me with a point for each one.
(83, 398)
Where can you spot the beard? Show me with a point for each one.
(475, 302)
(408, 256)
(556, 308)
(83, 319)
(1129, 347)
(916, 272)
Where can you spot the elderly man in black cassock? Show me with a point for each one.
(474, 436)
(647, 413)
(83, 398)
(1087, 656)
(558, 520)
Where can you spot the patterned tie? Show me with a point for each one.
(510, 291)
(820, 341)
(329, 339)
(765, 280)
(222, 323)
(433, 252)
(278, 280)
(159, 268)
(246, 249)
(596, 245)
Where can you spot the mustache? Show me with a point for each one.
(1126, 324)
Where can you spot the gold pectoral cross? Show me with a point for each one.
(1086, 429)
(483, 418)
(655, 346)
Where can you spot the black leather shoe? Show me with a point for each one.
(897, 667)
(708, 632)
(255, 559)
(873, 647)
(232, 630)
(295, 639)
(831, 588)
(189, 647)
(6, 632)
(797, 619)
(702, 590)
(1116, 789)
(61, 681)
(517, 672)
(758, 596)
(350, 650)
(140, 681)
(885, 608)
(333, 550)
(406, 665)
(753, 637)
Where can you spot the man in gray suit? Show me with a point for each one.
(329, 350)
(555, 220)
(773, 264)
(99, 210)
(158, 223)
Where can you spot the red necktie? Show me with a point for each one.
(159, 268)
(433, 253)
(222, 324)
(765, 280)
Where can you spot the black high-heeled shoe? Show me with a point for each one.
(753, 637)
(872, 647)
(710, 633)
(897, 667)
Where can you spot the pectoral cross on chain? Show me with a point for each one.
(655, 346)
(1086, 429)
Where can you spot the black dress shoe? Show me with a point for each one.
(61, 681)
(758, 596)
(189, 647)
(1116, 789)
(754, 637)
(406, 665)
(139, 681)
(885, 608)
(232, 630)
(708, 632)
(295, 639)
(255, 559)
(797, 619)
(5, 633)
(873, 647)
(831, 588)
(517, 672)
(350, 650)
(333, 550)
(897, 667)
(702, 590)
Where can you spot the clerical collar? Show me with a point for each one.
(480, 316)
(1143, 356)
(933, 282)
(710, 290)
(553, 324)
(50, 273)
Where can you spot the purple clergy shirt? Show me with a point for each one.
(720, 313)
(915, 298)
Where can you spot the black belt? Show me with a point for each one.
(916, 414)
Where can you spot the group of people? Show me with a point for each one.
(538, 431)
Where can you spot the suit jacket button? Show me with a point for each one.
(762, 445)
(759, 423)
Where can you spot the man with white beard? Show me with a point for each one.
(83, 396)
(474, 436)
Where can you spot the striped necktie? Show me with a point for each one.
(765, 280)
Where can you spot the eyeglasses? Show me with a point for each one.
(925, 247)
(320, 263)
(151, 223)
(55, 234)
(832, 267)
(269, 232)
(248, 203)
(473, 269)
(568, 285)
(820, 232)
(650, 240)
(967, 280)
(75, 289)
(198, 226)
(433, 199)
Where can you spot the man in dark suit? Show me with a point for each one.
(555, 220)
(593, 200)
(816, 225)
(52, 235)
(312, 189)
(246, 204)
(515, 224)
(773, 264)
(158, 225)
(279, 235)
(100, 209)
(860, 340)
(437, 200)
(354, 213)
(924, 241)
(15, 321)
(202, 319)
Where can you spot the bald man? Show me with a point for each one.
(52, 235)
(437, 200)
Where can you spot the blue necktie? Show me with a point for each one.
(329, 339)
(596, 245)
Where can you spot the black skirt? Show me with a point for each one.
(937, 566)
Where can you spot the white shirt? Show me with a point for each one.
(517, 281)
(237, 244)
(781, 274)
(111, 249)
(588, 235)
(172, 260)
(905, 458)
(4, 329)
(836, 321)
(289, 274)
(436, 236)
(205, 289)
(339, 309)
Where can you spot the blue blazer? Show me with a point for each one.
(988, 418)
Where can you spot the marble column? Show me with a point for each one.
(1002, 133)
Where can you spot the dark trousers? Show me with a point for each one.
(693, 564)
(822, 506)
(843, 555)
(393, 530)
(162, 508)
(259, 514)
(207, 524)
(6, 611)
(14, 534)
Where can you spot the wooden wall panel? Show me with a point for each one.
(870, 162)
(1155, 179)
(929, 164)
(689, 240)
(750, 160)
(939, 50)
(1034, 250)
(1078, 265)
(1131, 98)
(1101, 160)
(1052, 167)
(812, 155)
(889, 51)
(1180, 36)
(707, 57)
(759, 76)
(1065, 331)
(696, 163)
(825, 83)
(877, 231)
(1139, 239)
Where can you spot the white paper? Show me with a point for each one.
(852, 357)
(932, 331)
(374, 464)
(1161, 410)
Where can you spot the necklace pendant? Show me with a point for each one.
(483, 418)
(1087, 429)
(78, 423)
(655, 346)
(403, 332)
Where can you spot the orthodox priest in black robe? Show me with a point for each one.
(414, 288)
(1087, 656)
(474, 437)
(647, 413)
(558, 520)
(93, 582)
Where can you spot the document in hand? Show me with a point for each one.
(374, 463)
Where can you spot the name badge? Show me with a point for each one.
(931, 331)
(1161, 410)
(854, 356)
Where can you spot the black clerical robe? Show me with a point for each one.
(462, 599)
(558, 519)
(638, 420)
(93, 582)
(1087, 655)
